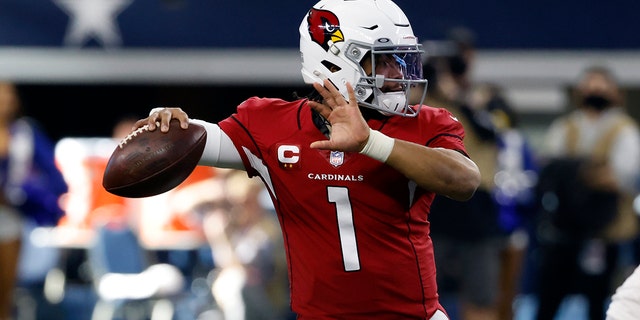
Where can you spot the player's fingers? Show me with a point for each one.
(165, 116)
(320, 108)
(325, 107)
(322, 90)
(329, 93)
(152, 120)
(322, 144)
(333, 93)
(140, 123)
(352, 95)
(178, 113)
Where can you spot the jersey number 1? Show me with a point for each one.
(348, 244)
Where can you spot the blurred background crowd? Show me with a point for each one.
(550, 116)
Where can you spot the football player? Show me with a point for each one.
(352, 169)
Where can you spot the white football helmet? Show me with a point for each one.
(337, 35)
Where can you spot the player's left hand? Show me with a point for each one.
(349, 130)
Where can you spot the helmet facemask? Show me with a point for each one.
(368, 88)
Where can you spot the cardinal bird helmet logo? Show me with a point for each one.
(324, 28)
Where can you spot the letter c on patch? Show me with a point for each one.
(288, 154)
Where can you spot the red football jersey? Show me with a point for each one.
(355, 230)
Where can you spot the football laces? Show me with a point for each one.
(133, 134)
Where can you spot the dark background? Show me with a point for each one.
(92, 110)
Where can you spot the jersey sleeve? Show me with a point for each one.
(236, 128)
(445, 131)
(253, 130)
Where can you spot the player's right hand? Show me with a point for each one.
(349, 130)
(163, 116)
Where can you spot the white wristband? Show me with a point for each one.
(378, 146)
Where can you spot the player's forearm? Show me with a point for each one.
(443, 171)
(219, 151)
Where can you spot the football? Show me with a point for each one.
(148, 163)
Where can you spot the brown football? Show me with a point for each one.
(148, 163)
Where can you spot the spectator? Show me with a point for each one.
(515, 179)
(30, 183)
(246, 245)
(467, 236)
(592, 159)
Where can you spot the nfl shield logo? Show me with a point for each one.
(336, 158)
